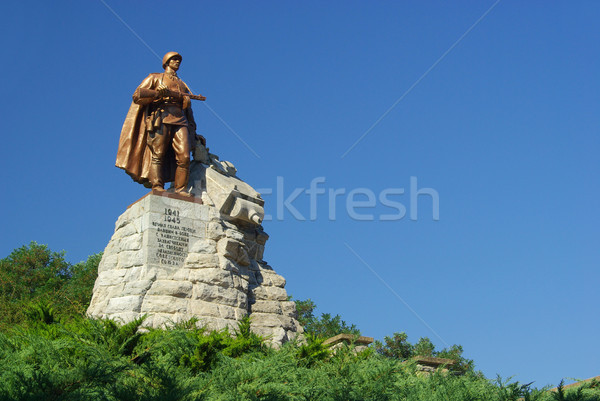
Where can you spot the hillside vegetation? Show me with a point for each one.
(50, 351)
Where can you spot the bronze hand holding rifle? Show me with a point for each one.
(159, 130)
(163, 91)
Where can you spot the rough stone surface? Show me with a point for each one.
(173, 260)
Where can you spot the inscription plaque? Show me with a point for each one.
(172, 238)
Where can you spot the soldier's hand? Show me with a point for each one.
(162, 90)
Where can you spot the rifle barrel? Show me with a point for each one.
(154, 93)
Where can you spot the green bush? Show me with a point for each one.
(100, 360)
(35, 275)
(398, 347)
(50, 351)
(325, 326)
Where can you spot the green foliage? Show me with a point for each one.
(312, 351)
(41, 312)
(206, 352)
(424, 347)
(88, 359)
(244, 340)
(398, 347)
(325, 326)
(34, 275)
(50, 351)
(515, 391)
(455, 353)
(77, 291)
(585, 392)
(117, 339)
(209, 347)
(29, 273)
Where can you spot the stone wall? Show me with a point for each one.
(173, 259)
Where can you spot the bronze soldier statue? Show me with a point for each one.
(160, 130)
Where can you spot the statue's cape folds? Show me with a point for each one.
(134, 155)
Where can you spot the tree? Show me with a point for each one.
(34, 275)
(325, 326)
(32, 271)
(29, 274)
(398, 347)
(424, 347)
(78, 289)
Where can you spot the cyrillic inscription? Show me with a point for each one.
(172, 237)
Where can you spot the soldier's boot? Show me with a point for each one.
(182, 175)
(155, 177)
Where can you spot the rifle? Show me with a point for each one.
(154, 93)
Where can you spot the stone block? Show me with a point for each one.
(264, 319)
(234, 233)
(272, 307)
(234, 250)
(259, 293)
(110, 277)
(288, 308)
(108, 262)
(139, 287)
(133, 273)
(240, 283)
(160, 320)
(165, 272)
(261, 330)
(130, 303)
(200, 308)
(131, 243)
(182, 275)
(112, 291)
(213, 276)
(203, 245)
(260, 252)
(112, 248)
(130, 258)
(216, 323)
(148, 272)
(178, 289)
(201, 261)
(276, 293)
(240, 313)
(126, 230)
(274, 279)
(261, 237)
(164, 303)
(215, 231)
(219, 295)
(269, 293)
(262, 265)
(227, 312)
(206, 199)
(286, 322)
(123, 220)
(125, 317)
(278, 336)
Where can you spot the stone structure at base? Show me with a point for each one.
(173, 258)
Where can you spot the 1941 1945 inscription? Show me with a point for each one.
(172, 238)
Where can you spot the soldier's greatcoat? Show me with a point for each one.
(134, 155)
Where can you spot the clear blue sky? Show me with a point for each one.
(504, 128)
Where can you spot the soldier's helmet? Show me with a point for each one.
(169, 56)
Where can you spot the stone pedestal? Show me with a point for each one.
(173, 259)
